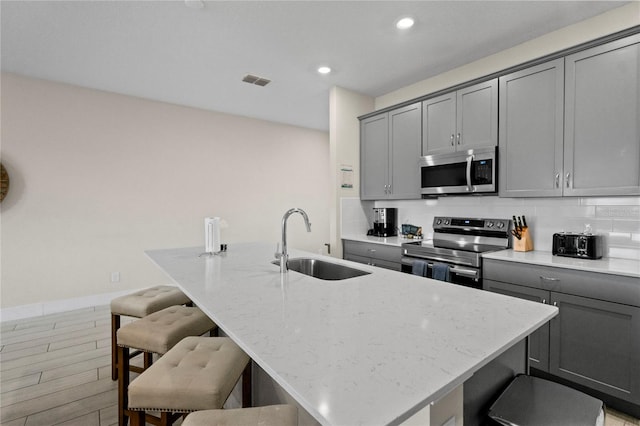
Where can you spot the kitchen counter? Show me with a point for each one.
(389, 241)
(626, 267)
(368, 350)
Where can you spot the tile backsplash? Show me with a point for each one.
(617, 219)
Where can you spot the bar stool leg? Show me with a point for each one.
(137, 418)
(123, 384)
(246, 386)
(115, 325)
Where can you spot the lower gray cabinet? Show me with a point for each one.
(539, 340)
(384, 256)
(591, 342)
(595, 343)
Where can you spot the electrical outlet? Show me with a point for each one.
(115, 277)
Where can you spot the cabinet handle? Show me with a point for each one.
(555, 303)
(372, 250)
(544, 301)
(557, 180)
(549, 278)
(452, 139)
(567, 179)
(458, 138)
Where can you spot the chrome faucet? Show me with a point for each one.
(284, 254)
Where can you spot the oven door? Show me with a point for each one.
(462, 275)
(466, 172)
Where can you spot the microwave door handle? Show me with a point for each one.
(469, 161)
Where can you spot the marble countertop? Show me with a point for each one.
(390, 241)
(609, 265)
(368, 350)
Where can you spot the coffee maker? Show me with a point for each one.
(384, 222)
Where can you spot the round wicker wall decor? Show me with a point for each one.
(4, 182)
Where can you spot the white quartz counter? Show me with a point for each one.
(364, 351)
(627, 267)
(389, 241)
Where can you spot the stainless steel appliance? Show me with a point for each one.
(473, 171)
(457, 245)
(385, 222)
(584, 246)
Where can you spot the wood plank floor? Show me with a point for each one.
(56, 370)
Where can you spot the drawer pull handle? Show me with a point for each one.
(549, 278)
(555, 303)
(544, 301)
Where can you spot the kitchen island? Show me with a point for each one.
(368, 350)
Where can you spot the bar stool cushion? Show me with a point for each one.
(147, 301)
(272, 415)
(160, 331)
(198, 373)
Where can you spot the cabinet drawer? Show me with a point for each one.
(374, 251)
(608, 287)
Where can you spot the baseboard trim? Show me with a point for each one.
(57, 306)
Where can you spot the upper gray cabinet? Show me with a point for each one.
(464, 119)
(602, 125)
(570, 127)
(531, 131)
(389, 154)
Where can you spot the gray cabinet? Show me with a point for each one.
(531, 131)
(595, 339)
(602, 130)
(569, 127)
(538, 340)
(389, 154)
(384, 256)
(464, 119)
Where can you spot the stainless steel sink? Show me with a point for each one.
(322, 269)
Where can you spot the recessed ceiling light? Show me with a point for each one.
(324, 70)
(405, 23)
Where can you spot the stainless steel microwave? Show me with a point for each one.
(473, 171)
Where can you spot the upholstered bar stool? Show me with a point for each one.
(138, 305)
(156, 333)
(272, 415)
(198, 373)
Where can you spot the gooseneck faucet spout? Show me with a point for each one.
(284, 254)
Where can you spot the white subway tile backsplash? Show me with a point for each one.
(617, 219)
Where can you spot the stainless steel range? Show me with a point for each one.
(456, 248)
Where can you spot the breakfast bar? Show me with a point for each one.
(372, 350)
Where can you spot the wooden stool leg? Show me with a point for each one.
(137, 418)
(115, 325)
(246, 386)
(148, 360)
(123, 384)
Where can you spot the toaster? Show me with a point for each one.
(583, 246)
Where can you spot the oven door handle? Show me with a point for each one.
(466, 272)
(436, 259)
(469, 161)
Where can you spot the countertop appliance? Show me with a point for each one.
(584, 246)
(385, 222)
(458, 243)
(473, 171)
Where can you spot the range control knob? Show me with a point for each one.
(446, 221)
(438, 221)
(489, 224)
(500, 225)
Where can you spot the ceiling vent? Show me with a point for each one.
(254, 79)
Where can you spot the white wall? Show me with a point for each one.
(97, 178)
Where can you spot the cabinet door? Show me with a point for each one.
(477, 116)
(374, 157)
(597, 344)
(439, 124)
(538, 340)
(405, 134)
(531, 131)
(602, 131)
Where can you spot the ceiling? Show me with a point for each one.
(167, 51)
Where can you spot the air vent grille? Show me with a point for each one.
(254, 79)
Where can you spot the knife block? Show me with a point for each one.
(525, 243)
